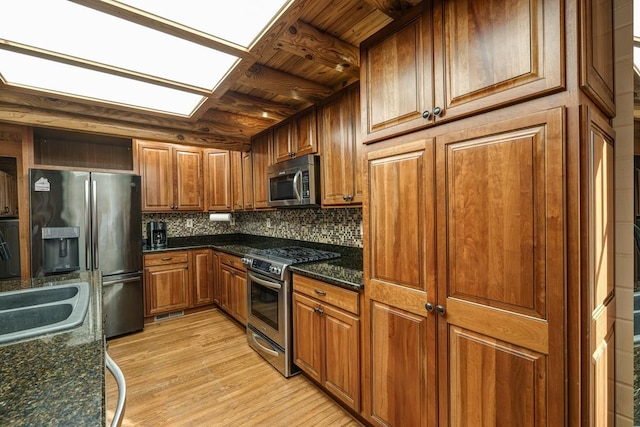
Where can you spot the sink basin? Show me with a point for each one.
(32, 312)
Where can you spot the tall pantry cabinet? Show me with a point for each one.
(488, 215)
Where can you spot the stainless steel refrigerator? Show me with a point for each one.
(91, 221)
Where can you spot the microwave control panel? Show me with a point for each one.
(305, 185)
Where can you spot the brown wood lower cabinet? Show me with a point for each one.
(178, 280)
(166, 282)
(233, 287)
(327, 338)
(202, 277)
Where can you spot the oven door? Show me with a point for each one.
(266, 306)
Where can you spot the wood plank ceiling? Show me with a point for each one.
(309, 54)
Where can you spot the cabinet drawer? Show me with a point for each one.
(325, 292)
(166, 258)
(231, 261)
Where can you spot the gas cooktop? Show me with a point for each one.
(274, 262)
(297, 254)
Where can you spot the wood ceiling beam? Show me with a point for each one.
(284, 84)
(254, 107)
(393, 8)
(20, 114)
(308, 42)
(230, 125)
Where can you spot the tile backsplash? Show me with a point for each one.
(333, 226)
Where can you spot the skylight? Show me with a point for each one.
(67, 48)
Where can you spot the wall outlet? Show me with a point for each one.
(361, 229)
(189, 223)
(232, 221)
(268, 222)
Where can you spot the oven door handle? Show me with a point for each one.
(265, 283)
(257, 337)
(296, 183)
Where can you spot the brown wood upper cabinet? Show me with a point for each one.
(341, 149)
(261, 152)
(445, 60)
(172, 177)
(597, 62)
(296, 137)
(217, 177)
(241, 180)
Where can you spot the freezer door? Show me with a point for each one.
(59, 201)
(117, 223)
(122, 304)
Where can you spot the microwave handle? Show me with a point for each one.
(296, 182)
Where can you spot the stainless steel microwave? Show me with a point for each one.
(295, 182)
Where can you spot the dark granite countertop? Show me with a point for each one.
(345, 271)
(55, 379)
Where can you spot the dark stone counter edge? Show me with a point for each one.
(241, 244)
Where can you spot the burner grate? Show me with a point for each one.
(299, 254)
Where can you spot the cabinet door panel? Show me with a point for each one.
(262, 159)
(218, 178)
(342, 356)
(167, 288)
(600, 283)
(202, 280)
(156, 169)
(400, 221)
(596, 45)
(282, 142)
(226, 286)
(305, 134)
(247, 180)
(397, 77)
(237, 186)
(398, 374)
(496, 52)
(307, 341)
(240, 288)
(485, 374)
(337, 152)
(501, 267)
(189, 179)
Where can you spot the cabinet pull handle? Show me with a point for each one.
(167, 258)
(318, 310)
(319, 292)
(437, 111)
(426, 114)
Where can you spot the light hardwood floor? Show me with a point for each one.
(199, 371)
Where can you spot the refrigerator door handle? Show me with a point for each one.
(87, 217)
(94, 224)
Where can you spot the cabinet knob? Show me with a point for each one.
(318, 310)
(429, 307)
(426, 114)
(440, 309)
(437, 111)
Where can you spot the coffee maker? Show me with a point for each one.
(156, 234)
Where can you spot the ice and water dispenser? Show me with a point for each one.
(60, 249)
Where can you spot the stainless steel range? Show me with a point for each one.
(269, 320)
